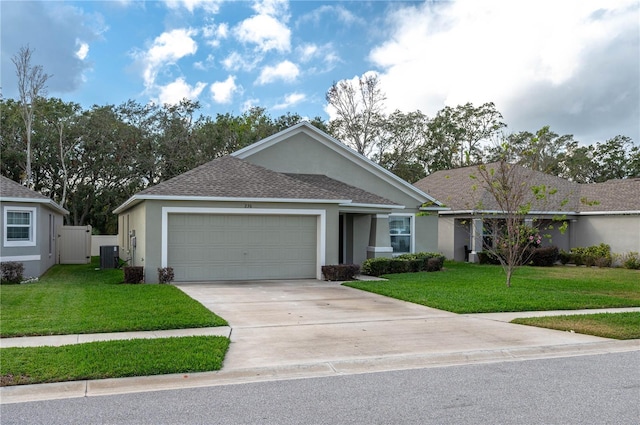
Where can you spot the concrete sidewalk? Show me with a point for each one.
(298, 329)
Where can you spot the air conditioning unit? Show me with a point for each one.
(109, 256)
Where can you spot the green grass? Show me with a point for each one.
(474, 288)
(72, 299)
(607, 325)
(112, 359)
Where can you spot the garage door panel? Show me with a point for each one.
(205, 247)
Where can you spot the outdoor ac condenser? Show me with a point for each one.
(109, 256)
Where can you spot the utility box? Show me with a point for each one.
(109, 256)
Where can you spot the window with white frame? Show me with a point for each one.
(401, 230)
(19, 226)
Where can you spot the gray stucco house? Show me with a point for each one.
(595, 213)
(278, 209)
(29, 225)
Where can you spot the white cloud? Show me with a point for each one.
(236, 62)
(290, 100)
(83, 50)
(266, 32)
(272, 7)
(339, 13)
(506, 52)
(211, 6)
(249, 103)
(174, 92)
(214, 34)
(222, 91)
(166, 49)
(285, 71)
(208, 63)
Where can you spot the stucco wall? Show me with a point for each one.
(39, 258)
(621, 232)
(426, 238)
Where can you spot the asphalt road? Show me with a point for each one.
(601, 389)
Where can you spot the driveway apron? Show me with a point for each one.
(307, 322)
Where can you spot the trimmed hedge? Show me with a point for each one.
(133, 274)
(544, 256)
(340, 272)
(11, 273)
(405, 263)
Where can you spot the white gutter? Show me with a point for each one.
(473, 212)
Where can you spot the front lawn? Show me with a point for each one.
(474, 288)
(112, 359)
(72, 299)
(607, 325)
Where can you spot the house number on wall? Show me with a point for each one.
(248, 206)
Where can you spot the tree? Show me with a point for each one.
(31, 85)
(456, 135)
(541, 151)
(509, 186)
(359, 112)
(402, 136)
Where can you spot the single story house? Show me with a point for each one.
(280, 208)
(29, 227)
(595, 213)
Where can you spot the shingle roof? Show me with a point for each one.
(343, 190)
(230, 177)
(613, 195)
(454, 188)
(11, 189)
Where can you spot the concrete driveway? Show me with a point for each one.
(305, 323)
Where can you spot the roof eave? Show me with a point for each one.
(47, 202)
(136, 199)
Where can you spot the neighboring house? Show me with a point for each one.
(29, 227)
(595, 213)
(278, 209)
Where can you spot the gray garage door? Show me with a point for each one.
(203, 247)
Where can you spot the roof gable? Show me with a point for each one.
(375, 170)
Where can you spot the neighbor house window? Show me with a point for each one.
(401, 229)
(19, 226)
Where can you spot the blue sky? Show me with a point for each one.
(573, 65)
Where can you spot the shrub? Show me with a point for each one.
(564, 257)
(165, 274)
(434, 264)
(11, 273)
(603, 262)
(399, 265)
(631, 261)
(422, 258)
(340, 272)
(376, 266)
(487, 258)
(545, 256)
(133, 274)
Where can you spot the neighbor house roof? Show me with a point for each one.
(455, 189)
(11, 191)
(230, 178)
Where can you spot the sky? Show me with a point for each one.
(572, 65)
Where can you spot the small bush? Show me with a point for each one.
(564, 257)
(603, 262)
(340, 272)
(11, 273)
(487, 258)
(376, 266)
(631, 261)
(545, 256)
(165, 274)
(133, 274)
(434, 264)
(405, 263)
